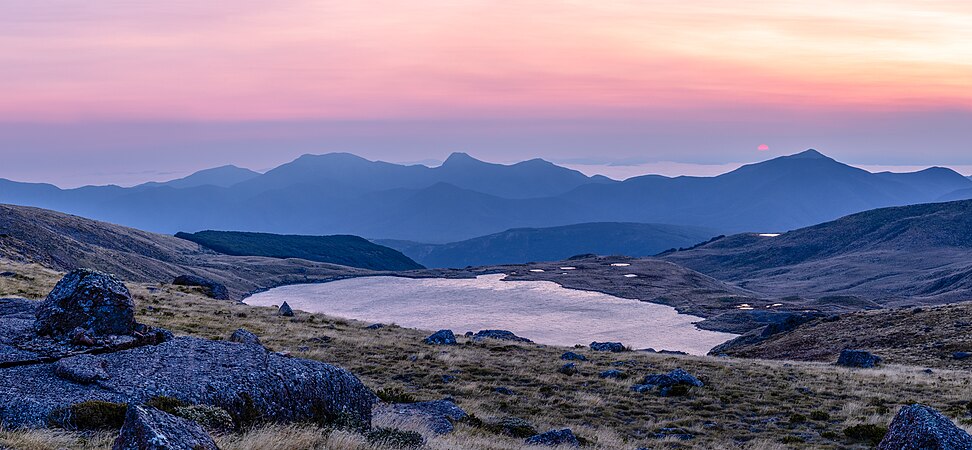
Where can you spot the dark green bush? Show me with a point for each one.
(797, 418)
(166, 404)
(90, 415)
(395, 395)
(512, 426)
(819, 415)
(871, 434)
(210, 417)
(390, 437)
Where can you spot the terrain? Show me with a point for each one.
(522, 245)
(351, 251)
(465, 198)
(745, 404)
(886, 257)
(64, 242)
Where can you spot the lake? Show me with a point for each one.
(539, 310)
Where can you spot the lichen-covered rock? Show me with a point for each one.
(613, 374)
(89, 300)
(918, 427)
(83, 368)
(502, 335)
(858, 358)
(242, 336)
(554, 438)
(613, 347)
(568, 369)
(150, 429)
(571, 356)
(246, 381)
(213, 289)
(436, 416)
(285, 310)
(441, 337)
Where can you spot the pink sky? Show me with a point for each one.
(748, 65)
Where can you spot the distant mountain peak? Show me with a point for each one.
(810, 154)
(460, 158)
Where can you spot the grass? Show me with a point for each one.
(746, 404)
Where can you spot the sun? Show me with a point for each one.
(763, 148)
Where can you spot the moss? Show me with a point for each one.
(165, 404)
(394, 438)
(210, 417)
(90, 415)
(871, 434)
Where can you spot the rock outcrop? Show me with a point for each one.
(214, 289)
(437, 416)
(242, 336)
(613, 347)
(40, 375)
(918, 427)
(150, 429)
(858, 358)
(502, 335)
(441, 337)
(571, 356)
(676, 382)
(554, 438)
(285, 310)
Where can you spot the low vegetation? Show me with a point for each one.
(747, 404)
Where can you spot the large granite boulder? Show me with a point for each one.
(858, 358)
(676, 382)
(150, 429)
(212, 288)
(918, 427)
(613, 347)
(441, 337)
(437, 416)
(502, 335)
(242, 336)
(87, 300)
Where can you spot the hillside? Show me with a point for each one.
(64, 242)
(351, 251)
(465, 198)
(522, 245)
(903, 255)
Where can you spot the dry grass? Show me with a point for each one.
(746, 404)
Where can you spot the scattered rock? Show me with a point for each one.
(513, 427)
(554, 438)
(613, 347)
(441, 337)
(571, 356)
(676, 433)
(918, 427)
(961, 355)
(437, 416)
(568, 369)
(84, 369)
(214, 289)
(503, 390)
(858, 358)
(95, 302)
(613, 374)
(242, 336)
(676, 382)
(7, 274)
(150, 429)
(285, 310)
(375, 326)
(502, 335)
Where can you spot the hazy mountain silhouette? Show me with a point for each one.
(224, 176)
(521, 245)
(889, 254)
(340, 193)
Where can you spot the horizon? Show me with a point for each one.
(131, 91)
(619, 171)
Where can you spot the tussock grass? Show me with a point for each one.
(746, 404)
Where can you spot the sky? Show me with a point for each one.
(123, 91)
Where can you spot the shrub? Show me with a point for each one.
(210, 417)
(871, 434)
(797, 418)
(394, 438)
(90, 415)
(395, 395)
(165, 404)
(512, 426)
(819, 415)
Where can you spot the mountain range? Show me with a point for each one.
(464, 198)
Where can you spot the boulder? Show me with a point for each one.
(285, 310)
(571, 356)
(568, 369)
(918, 427)
(554, 438)
(858, 358)
(961, 355)
(213, 289)
(437, 416)
(613, 347)
(242, 336)
(502, 335)
(84, 299)
(503, 390)
(676, 382)
(441, 337)
(83, 368)
(613, 374)
(150, 429)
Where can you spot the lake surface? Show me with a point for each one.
(539, 310)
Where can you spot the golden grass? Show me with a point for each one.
(746, 404)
